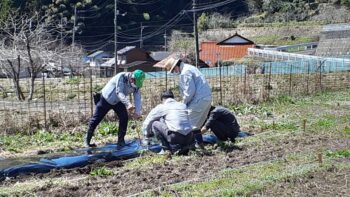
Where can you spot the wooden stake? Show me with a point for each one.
(320, 159)
(304, 125)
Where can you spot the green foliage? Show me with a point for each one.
(326, 122)
(283, 40)
(249, 109)
(282, 100)
(71, 96)
(5, 7)
(73, 81)
(202, 22)
(107, 128)
(347, 130)
(341, 153)
(281, 126)
(345, 3)
(103, 171)
(20, 142)
(97, 88)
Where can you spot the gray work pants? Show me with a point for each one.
(168, 137)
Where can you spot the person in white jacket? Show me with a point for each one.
(169, 123)
(195, 92)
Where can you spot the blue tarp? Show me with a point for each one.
(80, 157)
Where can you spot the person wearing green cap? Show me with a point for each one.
(115, 96)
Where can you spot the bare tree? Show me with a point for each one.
(12, 70)
(35, 42)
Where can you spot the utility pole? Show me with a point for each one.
(165, 41)
(141, 39)
(61, 33)
(74, 24)
(195, 32)
(115, 37)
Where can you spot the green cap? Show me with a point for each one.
(139, 77)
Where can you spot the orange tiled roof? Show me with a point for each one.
(209, 51)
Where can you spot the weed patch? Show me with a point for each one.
(326, 122)
(103, 171)
(347, 130)
(107, 128)
(341, 153)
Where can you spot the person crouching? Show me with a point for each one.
(170, 124)
(222, 123)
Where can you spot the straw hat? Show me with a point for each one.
(171, 63)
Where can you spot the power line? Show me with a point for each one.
(139, 3)
(211, 6)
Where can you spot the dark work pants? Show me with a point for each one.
(102, 109)
(168, 137)
(224, 131)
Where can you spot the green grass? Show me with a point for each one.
(284, 24)
(18, 143)
(102, 171)
(248, 179)
(146, 161)
(281, 126)
(341, 153)
(73, 80)
(347, 130)
(280, 40)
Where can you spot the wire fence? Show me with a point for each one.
(67, 101)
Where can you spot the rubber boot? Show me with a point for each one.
(165, 144)
(199, 139)
(88, 137)
(121, 141)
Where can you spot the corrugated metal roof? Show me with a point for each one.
(95, 54)
(108, 63)
(160, 55)
(125, 50)
(132, 64)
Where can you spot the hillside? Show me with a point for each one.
(95, 18)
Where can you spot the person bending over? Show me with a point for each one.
(170, 123)
(222, 123)
(115, 96)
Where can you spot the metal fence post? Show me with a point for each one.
(321, 76)
(308, 76)
(290, 79)
(91, 97)
(44, 94)
(166, 80)
(245, 81)
(269, 85)
(220, 79)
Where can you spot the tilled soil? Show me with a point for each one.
(333, 182)
(194, 168)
